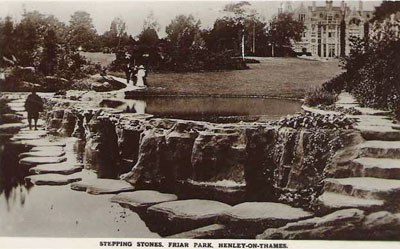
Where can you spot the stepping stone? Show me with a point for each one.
(40, 143)
(47, 148)
(215, 231)
(43, 153)
(379, 167)
(25, 137)
(11, 128)
(142, 199)
(262, 215)
(184, 215)
(380, 149)
(39, 133)
(378, 132)
(103, 186)
(16, 104)
(57, 168)
(33, 161)
(371, 111)
(363, 187)
(330, 200)
(53, 179)
(17, 108)
(226, 191)
(340, 225)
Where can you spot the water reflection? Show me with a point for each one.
(12, 184)
(213, 109)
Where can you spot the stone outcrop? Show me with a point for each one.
(140, 200)
(102, 186)
(226, 162)
(346, 224)
(178, 216)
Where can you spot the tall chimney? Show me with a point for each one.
(314, 5)
(360, 5)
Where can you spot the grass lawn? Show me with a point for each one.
(273, 77)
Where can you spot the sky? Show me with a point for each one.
(135, 12)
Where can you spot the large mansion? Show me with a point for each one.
(329, 26)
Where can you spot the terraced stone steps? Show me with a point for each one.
(378, 167)
(363, 187)
(380, 149)
(334, 201)
(384, 133)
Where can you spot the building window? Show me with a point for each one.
(331, 34)
(302, 17)
(329, 18)
(313, 34)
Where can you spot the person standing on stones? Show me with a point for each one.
(141, 74)
(134, 72)
(33, 105)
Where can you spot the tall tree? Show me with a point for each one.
(6, 39)
(116, 37)
(48, 63)
(182, 30)
(82, 32)
(284, 30)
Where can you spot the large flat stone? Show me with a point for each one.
(40, 133)
(41, 142)
(342, 224)
(363, 187)
(58, 168)
(47, 148)
(103, 186)
(334, 201)
(178, 216)
(142, 199)
(33, 161)
(379, 167)
(261, 215)
(25, 137)
(43, 153)
(385, 133)
(53, 179)
(226, 191)
(380, 149)
(11, 128)
(214, 231)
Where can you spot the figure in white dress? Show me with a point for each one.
(141, 74)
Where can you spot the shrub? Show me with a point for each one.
(337, 84)
(320, 96)
(23, 79)
(313, 120)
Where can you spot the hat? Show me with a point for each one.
(141, 66)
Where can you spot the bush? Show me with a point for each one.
(23, 79)
(313, 120)
(320, 96)
(337, 84)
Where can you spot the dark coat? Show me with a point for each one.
(33, 103)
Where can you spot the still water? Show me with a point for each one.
(58, 211)
(212, 109)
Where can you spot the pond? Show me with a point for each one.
(212, 109)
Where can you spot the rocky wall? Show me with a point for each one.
(227, 162)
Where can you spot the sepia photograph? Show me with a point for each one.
(199, 124)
